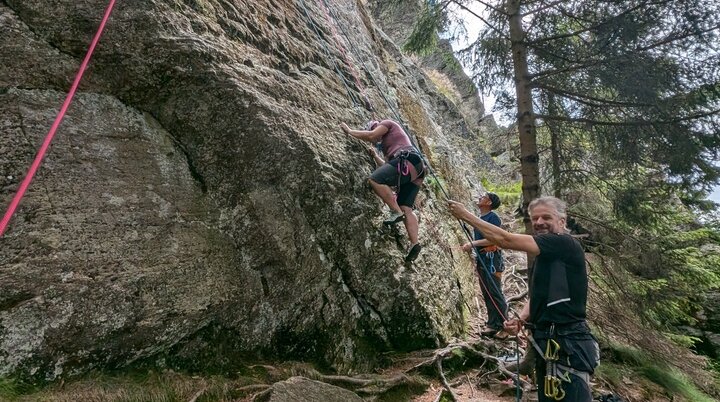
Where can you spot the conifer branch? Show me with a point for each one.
(543, 8)
(491, 26)
(636, 123)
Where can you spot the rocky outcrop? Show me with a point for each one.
(199, 204)
(300, 389)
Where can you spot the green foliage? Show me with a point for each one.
(671, 271)
(424, 36)
(683, 340)
(509, 193)
(624, 87)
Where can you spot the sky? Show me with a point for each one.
(715, 196)
(473, 25)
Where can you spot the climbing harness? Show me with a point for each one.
(555, 372)
(58, 119)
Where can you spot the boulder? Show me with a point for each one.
(199, 206)
(301, 389)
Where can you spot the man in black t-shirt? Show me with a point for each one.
(556, 309)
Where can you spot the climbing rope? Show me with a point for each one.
(316, 29)
(351, 67)
(333, 17)
(53, 129)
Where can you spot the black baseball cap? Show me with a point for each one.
(494, 200)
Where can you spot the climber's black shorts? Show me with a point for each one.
(388, 175)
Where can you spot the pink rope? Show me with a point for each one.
(49, 137)
(344, 53)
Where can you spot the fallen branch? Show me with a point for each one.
(517, 297)
(198, 395)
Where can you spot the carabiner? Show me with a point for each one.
(558, 392)
(549, 389)
(552, 350)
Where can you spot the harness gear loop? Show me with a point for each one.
(556, 370)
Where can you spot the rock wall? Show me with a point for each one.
(199, 205)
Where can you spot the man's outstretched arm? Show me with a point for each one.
(370, 136)
(495, 234)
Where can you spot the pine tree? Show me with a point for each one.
(636, 80)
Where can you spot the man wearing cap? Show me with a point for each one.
(490, 266)
(402, 167)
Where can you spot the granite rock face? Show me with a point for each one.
(200, 196)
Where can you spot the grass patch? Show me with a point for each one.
(131, 386)
(674, 382)
(626, 361)
(11, 389)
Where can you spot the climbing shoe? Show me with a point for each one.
(501, 335)
(413, 253)
(490, 332)
(394, 218)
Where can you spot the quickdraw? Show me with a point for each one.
(553, 378)
(555, 372)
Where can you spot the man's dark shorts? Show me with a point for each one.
(389, 175)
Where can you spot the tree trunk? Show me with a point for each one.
(529, 169)
(554, 148)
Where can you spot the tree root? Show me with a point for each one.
(447, 386)
(379, 384)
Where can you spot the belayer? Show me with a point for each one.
(556, 310)
(402, 167)
(490, 266)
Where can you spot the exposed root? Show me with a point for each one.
(470, 349)
(517, 297)
(453, 355)
(447, 386)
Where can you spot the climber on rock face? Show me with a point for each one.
(402, 167)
